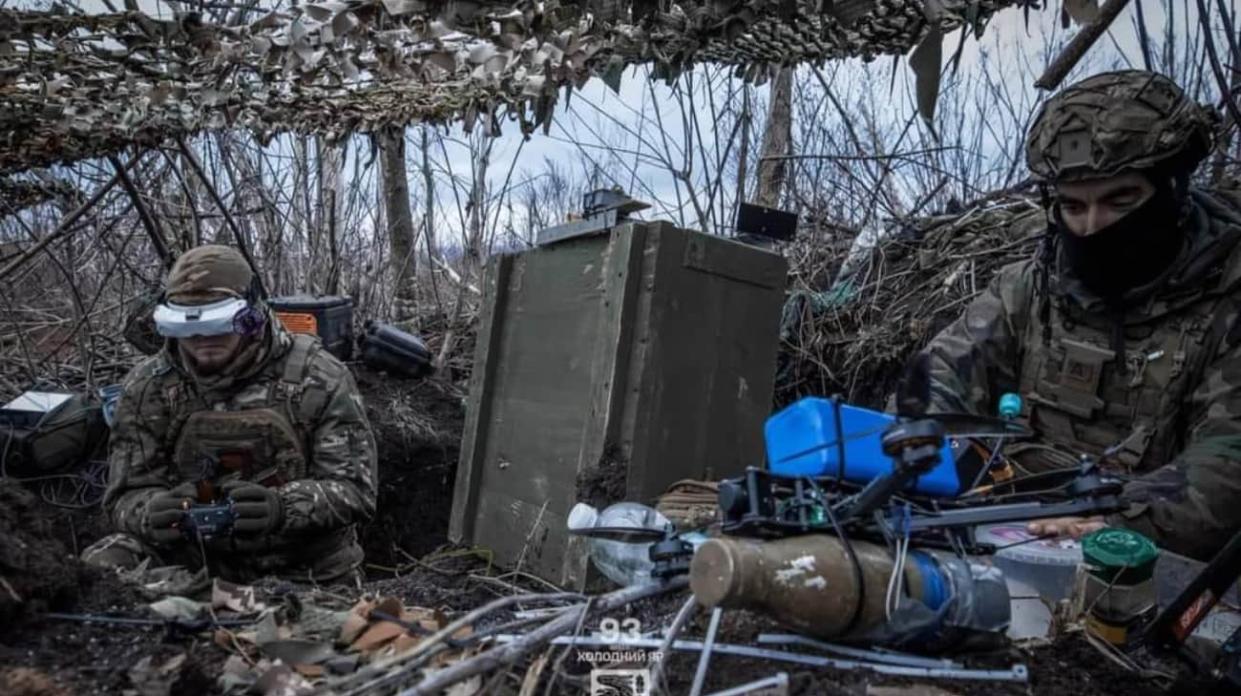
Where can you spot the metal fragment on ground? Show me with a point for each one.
(700, 676)
(890, 657)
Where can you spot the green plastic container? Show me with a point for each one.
(1119, 556)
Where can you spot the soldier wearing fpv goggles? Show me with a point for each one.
(238, 445)
(1123, 336)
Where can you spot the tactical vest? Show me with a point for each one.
(258, 433)
(1080, 394)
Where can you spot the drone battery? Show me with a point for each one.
(809, 437)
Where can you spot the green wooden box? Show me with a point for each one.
(608, 367)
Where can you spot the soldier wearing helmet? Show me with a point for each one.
(1122, 336)
(239, 446)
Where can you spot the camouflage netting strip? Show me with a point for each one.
(18, 194)
(76, 86)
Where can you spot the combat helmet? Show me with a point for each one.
(1117, 121)
(208, 273)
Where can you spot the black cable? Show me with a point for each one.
(916, 504)
(89, 490)
(986, 467)
(1023, 494)
(1037, 475)
(858, 577)
(1040, 537)
(840, 439)
(190, 624)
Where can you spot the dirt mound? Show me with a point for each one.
(23, 681)
(418, 425)
(81, 657)
(37, 568)
(603, 483)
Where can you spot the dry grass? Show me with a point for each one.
(855, 340)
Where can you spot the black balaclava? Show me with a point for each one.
(1131, 252)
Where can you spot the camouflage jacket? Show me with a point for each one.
(1161, 379)
(325, 467)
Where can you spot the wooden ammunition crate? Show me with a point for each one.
(608, 367)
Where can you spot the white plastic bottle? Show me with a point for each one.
(623, 563)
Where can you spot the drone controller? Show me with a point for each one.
(207, 521)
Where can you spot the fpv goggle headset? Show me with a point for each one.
(231, 315)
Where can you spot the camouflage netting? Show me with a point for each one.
(16, 194)
(75, 86)
(855, 338)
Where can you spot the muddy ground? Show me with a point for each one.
(85, 658)
(418, 426)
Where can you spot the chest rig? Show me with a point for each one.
(1084, 393)
(258, 432)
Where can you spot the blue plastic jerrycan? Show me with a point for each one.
(802, 441)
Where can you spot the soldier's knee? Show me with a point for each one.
(116, 551)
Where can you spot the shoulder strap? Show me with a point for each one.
(304, 399)
(297, 361)
(177, 398)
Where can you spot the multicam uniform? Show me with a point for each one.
(1173, 399)
(1158, 374)
(286, 414)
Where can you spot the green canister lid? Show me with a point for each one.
(1109, 551)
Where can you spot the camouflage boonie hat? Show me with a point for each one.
(1117, 121)
(208, 273)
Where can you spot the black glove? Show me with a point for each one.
(259, 510)
(164, 512)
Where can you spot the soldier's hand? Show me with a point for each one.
(1076, 527)
(164, 513)
(259, 510)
